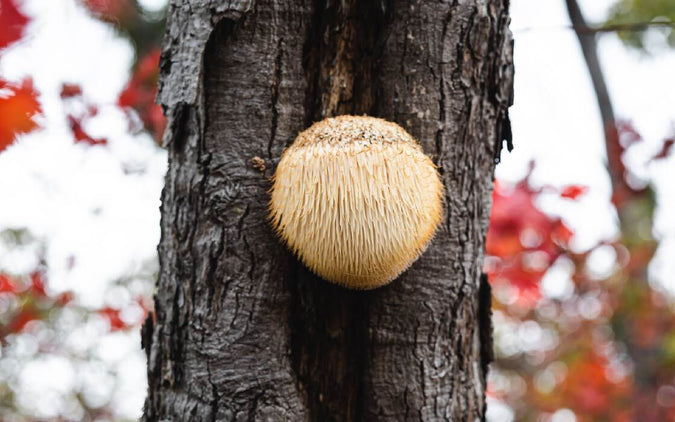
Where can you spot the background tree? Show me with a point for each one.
(243, 331)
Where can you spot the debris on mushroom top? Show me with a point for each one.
(345, 130)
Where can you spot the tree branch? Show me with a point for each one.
(618, 27)
(588, 43)
(628, 26)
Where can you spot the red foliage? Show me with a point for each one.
(21, 319)
(12, 23)
(64, 298)
(524, 240)
(18, 102)
(18, 108)
(113, 317)
(80, 134)
(70, 90)
(7, 285)
(38, 283)
(573, 191)
(31, 302)
(73, 92)
(666, 149)
(591, 393)
(619, 358)
(140, 92)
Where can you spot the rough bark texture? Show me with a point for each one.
(241, 330)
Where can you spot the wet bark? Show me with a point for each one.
(241, 330)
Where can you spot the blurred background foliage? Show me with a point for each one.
(601, 349)
(49, 341)
(637, 15)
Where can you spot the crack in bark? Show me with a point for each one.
(485, 328)
(212, 283)
(214, 392)
(329, 336)
(276, 82)
(311, 58)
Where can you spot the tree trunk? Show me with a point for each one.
(241, 330)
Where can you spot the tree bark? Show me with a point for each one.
(241, 330)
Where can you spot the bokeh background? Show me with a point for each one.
(581, 248)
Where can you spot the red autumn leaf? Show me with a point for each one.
(7, 285)
(70, 90)
(12, 23)
(18, 108)
(573, 191)
(666, 149)
(81, 135)
(561, 233)
(513, 211)
(113, 317)
(73, 92)
(64, 298)
(38, 283)
(140, 92)
(518, 274)
(20, 320)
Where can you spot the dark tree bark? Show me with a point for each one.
(241, 330)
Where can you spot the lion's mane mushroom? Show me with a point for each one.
(356, 200)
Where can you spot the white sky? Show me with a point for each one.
(79, 200)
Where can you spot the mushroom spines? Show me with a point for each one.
(356, 199)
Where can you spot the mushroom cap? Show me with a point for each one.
(356, 199)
